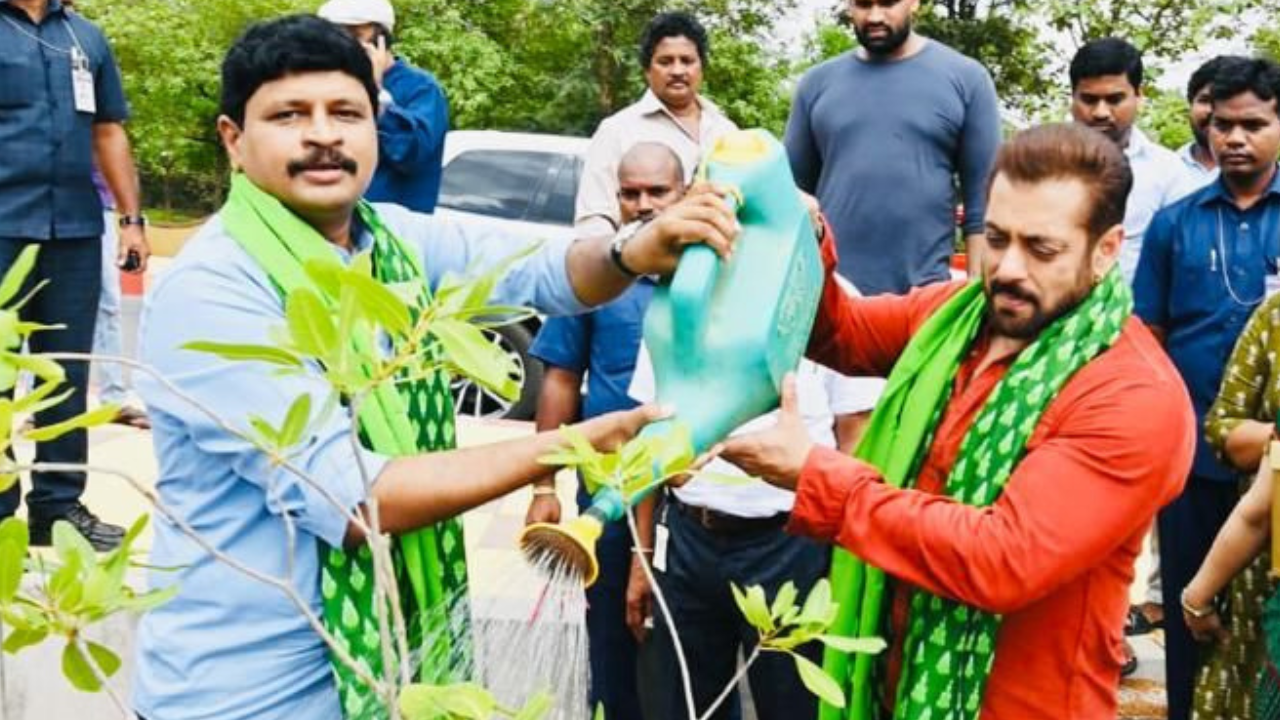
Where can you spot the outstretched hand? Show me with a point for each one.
(777, 454)
(703, 216)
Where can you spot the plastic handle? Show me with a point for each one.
(691, 288)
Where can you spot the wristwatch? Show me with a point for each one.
(126, 220)
(620, 239)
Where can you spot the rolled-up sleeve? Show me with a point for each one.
(596, 207)
(539, 280)
(242, 310)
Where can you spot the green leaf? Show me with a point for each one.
(819, 682)
(818, 605)
(35, 401)
(98, 416)
(146, 601)
(13, 552)
(266, 431)
(71, 545)
(865, 646)
(18, 272)
(10, 330)
(752, 606)
(41, 367)
(77, 670)
(244, 353)
(19, 638)
(462, 701)
(784, 601)
(295, 421)
(310, 325)
(599, 714)
(537, 707)
(381, 305)
(325, 273)
(477, 357)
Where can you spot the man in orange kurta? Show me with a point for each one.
(1054, 554)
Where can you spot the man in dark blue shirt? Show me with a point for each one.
(603, 345)
(413, 112)
(1207, 262)
(61, 107)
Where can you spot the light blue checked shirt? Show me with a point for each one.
(229, 647)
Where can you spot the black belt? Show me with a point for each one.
(719, 523)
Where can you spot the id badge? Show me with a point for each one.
(82, 82)
(661, 536)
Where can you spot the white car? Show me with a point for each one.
(526, 184)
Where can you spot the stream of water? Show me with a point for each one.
(526, 640)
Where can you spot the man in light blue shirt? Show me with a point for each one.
(1106, 94)
(298, 119)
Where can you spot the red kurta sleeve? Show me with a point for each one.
(865, 335)
(1073, 499)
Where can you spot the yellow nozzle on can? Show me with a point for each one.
(740, 147)
(571, 546)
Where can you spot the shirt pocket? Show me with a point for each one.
(1196, 288)
(18, 79)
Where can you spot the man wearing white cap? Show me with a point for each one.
(414, 112)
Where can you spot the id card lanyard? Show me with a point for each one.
(81, 74)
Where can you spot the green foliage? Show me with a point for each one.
(783, 627)
(1164, 118)
(641, 464)
(81, 588)
(465, 701)
(325, 333)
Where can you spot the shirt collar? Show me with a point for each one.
(1216, 191)
(55, 6)
(649, 104)
(1138, 145)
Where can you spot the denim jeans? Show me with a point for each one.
(73, 267)
(112, 387)
(700, 565)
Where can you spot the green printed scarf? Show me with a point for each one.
(949, 647)
(405, 419)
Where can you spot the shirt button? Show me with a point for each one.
(1244, 227)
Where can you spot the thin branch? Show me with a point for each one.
(666, 614)
(728, 689)
(289, 591)
(350, 515)
(101, 676)
(384, 575)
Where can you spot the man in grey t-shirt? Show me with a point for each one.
(881, 135)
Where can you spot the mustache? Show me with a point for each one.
(322, 159)
(1013, 291)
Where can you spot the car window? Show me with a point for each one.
(497, 183)
(557, 207)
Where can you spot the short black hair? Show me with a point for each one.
(273, 49)
(1108, 56)
(1205, 73)
(1256, 75)
(672, 24)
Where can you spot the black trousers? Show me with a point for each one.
(1187, 529)
(73, 268)
(700, 566)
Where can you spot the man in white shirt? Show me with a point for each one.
(1106, 94)
(673, 54)
(1196, 155)
(710, 533)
